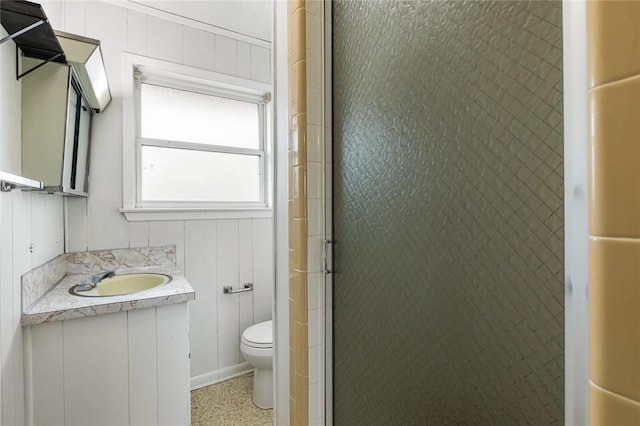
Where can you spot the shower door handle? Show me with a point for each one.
(325, 255)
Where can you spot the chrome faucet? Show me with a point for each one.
(91, 283)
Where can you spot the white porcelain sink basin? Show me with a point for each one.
(123, 284)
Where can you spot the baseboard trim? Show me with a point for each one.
(221, 375)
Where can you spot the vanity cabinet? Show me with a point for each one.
(125, 368)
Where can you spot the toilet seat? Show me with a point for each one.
(259, 336)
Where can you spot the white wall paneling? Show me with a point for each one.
(164, 39)
(75, 224)
(263, 270)
(53, 224)
(228, 307)
(201, 271)
(73, 15)
(38, 229)
(218, 253)
(163, 233)
(138, 234)
(260, 63)
(249, 20)
(106, 226)
(143, 32)
(245, 273)
(26, 218)
(226, 54)
(136, 32)
(21, 264)
(243, 59)
(197, 48)
(6, 308)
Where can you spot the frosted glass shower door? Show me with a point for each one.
(448, 295)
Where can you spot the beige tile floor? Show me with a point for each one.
(228, 404)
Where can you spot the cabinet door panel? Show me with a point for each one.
(96, 370)
(45, 396)
(174, 403)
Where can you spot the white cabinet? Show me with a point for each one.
(126, 368)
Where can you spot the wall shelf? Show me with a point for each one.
(29, 28)
(9, 182)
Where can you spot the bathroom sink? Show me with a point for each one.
(123, 284)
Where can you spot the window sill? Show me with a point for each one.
(150, 214)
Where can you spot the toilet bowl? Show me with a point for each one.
(256, 346)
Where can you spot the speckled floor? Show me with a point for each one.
(229, 404)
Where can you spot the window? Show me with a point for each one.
(198, 145)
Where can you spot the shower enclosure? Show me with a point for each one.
(448, 286)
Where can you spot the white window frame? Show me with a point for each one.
(139, 69)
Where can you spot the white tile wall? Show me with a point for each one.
(315, 143)
(316, 290)
(314, 7)
(314, 109)
(316, 206)
(314, 70)
(315, 401)
(314, 180)
(315, 254)
(316, 327)
(315, 218)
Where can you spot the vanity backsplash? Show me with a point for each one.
(38, 281)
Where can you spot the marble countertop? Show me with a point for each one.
(58, 304)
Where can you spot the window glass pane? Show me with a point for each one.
(179, 115)
(170, 174)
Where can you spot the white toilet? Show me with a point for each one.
(257, 347)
